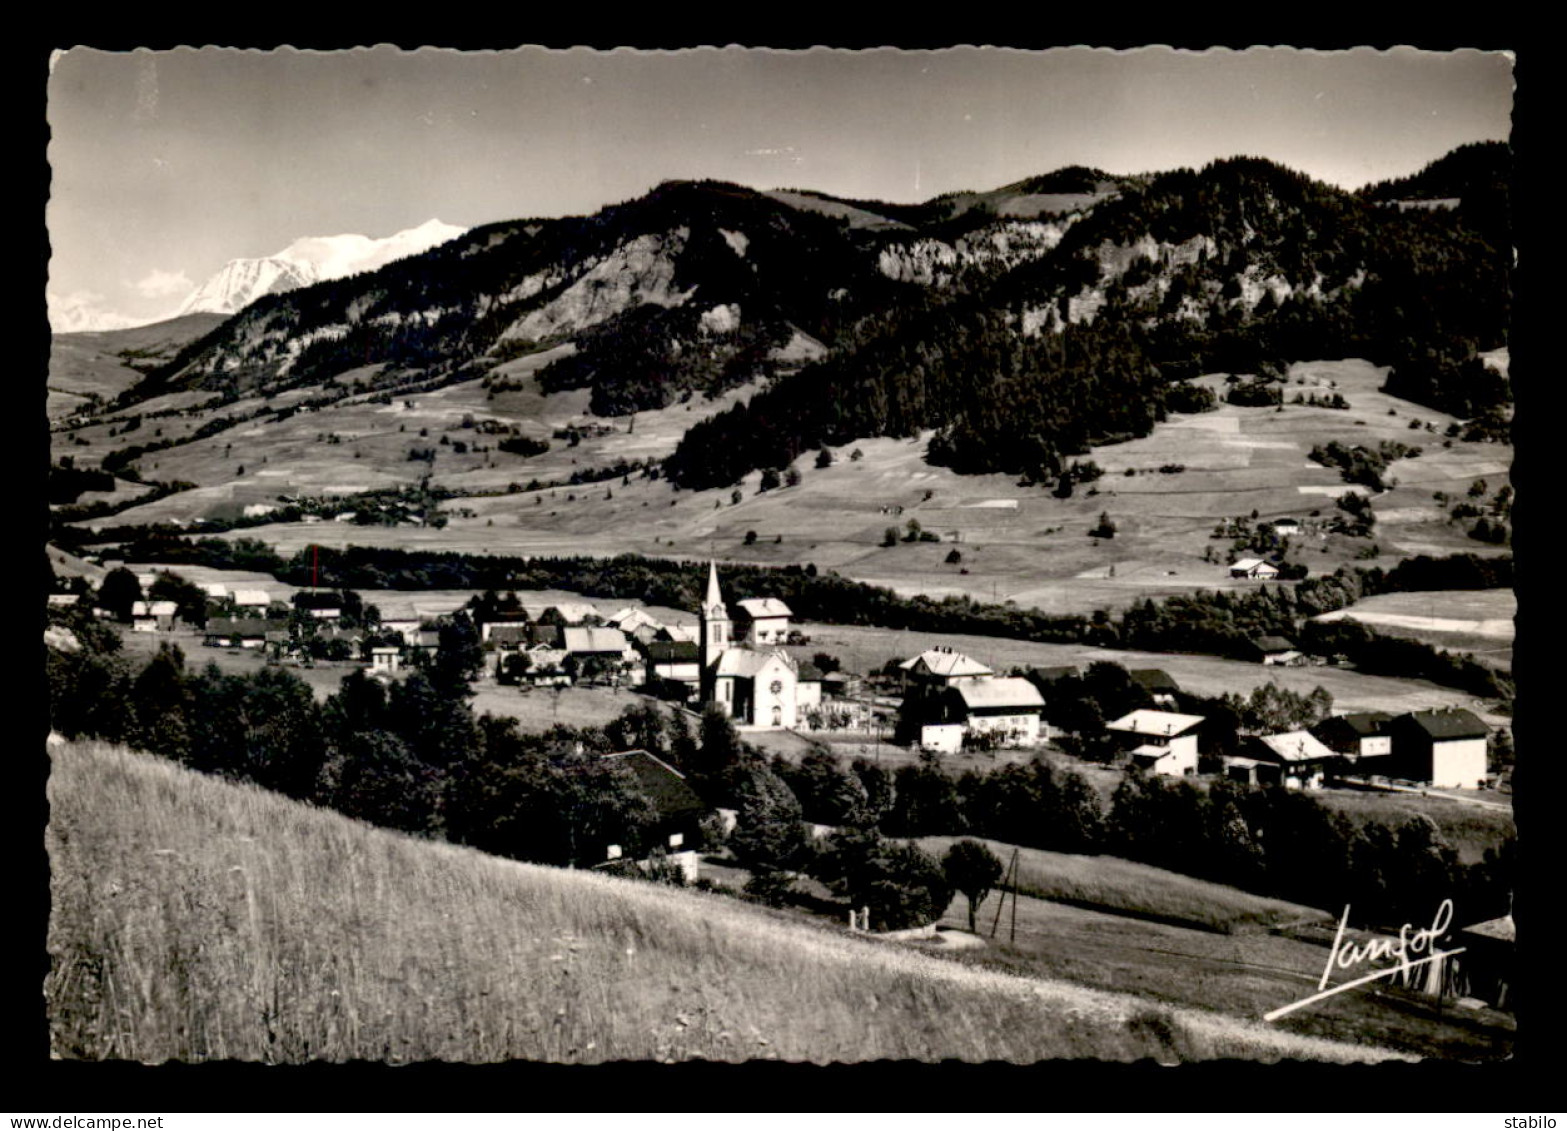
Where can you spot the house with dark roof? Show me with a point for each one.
(508, 636)
(1159, 684)
(235, 632)
(673, 662)
(1444, 748)
(1275, 650)
(678, 809)
(1361, 739)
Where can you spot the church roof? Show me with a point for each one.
(746, 662)
(714, 596)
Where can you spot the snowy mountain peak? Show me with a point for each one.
(311, 259)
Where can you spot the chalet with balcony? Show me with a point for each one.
(1161, 742)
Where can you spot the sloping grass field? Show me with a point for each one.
(1125, 887)
(194, 919)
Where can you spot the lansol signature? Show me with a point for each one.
(1347, 955)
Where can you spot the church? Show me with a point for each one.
(759, 688)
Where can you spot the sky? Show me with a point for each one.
(167, 164)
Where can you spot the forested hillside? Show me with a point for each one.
(1023, 324)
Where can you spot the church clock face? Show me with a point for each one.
(777, 687)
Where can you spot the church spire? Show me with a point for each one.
(714, 597)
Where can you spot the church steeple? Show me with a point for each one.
(714, 631)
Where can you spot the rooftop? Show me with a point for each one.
(1449, 722)
(1011, 691)
(759, 607)
(945, 662)
(1295, 746)
(1272, 644)
(1154, 679)
(595, 640)
(746, 663)
(1163, 724)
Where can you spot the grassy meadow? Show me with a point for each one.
(1107, 883)
(1017, 543)
(195, 920)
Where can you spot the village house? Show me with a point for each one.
(64, 600)
(153, 616)
(674, 662)
(766, 620)
(504, 624)
(235, 632)
(938, 668)
(1161, 742)
(607, 645)
(1254, 569)
(678, 810)
(384, 658)
(215, 590)
(505, 637)
(1295, 760)
(407, 628)
(1004, 711)
(252, 598)
(636, 624)
(808, 686)
(1360, 738)
(1286, 527)
(1444, 748)
(1159, 684)
(1271, 650)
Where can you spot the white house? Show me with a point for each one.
(1445, 748)
(1162, 742)
(252, 598)
(385, 659)
(1006, 710)
(1296, 760)
(153, 616)
(769, 620)
(936, 668)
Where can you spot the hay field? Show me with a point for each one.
(194, 919)
(1243, 975)
(1016, 542)
(1475, 621)
(1107, 883)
